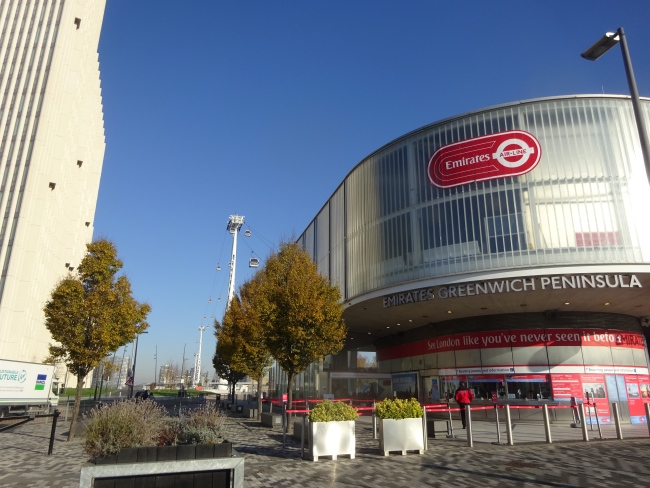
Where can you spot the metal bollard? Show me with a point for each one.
(424, 427)
(302, 437)
(496, 413)
(547, 425)
(647, 416)
(585, 432)
(468, 422)
(617, 421)
(284, 426)
(55, 417)
(451, 423)
(511, 440)
(374, 420)
(600, 434)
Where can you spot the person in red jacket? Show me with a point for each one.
(463, 397)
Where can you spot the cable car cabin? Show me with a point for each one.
(253, 263)
(247, 233)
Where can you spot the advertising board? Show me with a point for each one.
(509, 153)
(23, 384)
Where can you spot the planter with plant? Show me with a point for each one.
(332, 430)
(127, 440)
(400, 426)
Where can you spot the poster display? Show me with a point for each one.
(565, 386)
(435, 391)
(594, 387)
(644, 385)
(405, 385)
(635, 399)
(612, 390)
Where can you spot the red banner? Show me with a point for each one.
(515, 338)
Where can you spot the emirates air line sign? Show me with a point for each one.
(510, 153)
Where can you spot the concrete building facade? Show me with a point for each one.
(507, 247)
(51, 156)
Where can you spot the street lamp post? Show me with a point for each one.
(155, 368)
(599, 48)
(135, 357)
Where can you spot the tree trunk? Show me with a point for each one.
(290, 378)
(260, 378)
(75, 410)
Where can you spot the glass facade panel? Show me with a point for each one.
(582, 204)
(322, 241)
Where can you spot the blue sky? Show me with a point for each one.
(261, 108)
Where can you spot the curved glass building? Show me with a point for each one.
(507, 247)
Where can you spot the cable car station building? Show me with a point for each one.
(507, 247)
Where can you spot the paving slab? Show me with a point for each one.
(530, 462)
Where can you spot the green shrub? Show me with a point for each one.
(398, 409)
(122, 425)
(203, 425)
(327, 411)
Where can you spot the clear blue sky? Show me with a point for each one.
(261, 108)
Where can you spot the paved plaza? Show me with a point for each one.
(568, 462)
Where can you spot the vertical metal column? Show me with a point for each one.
(55, 417)
(496, 413)
(547, 425)
(374, 420)
(468, 421)
(600, 433)
(451, 423)
(585, 432)
(302, 437)
(511, 441)
(424, 428)
(617, 421)
(284, 425)
(234, 224)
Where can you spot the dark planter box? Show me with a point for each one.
(271, 420)
(196, 465)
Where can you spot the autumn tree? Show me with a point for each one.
(245, 335)
(222, 359)
(92, 313)
(170, 374)
(301, 313)
(106, 368)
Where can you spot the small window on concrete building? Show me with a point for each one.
(77, 22)
(52, 185)
(79, 163)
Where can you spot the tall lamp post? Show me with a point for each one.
(155, 368)
(603, 45)
(135, 357)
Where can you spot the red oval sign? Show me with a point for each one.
(510, 153)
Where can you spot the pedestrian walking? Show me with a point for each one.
(463, 397)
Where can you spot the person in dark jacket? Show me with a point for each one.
(463, 397)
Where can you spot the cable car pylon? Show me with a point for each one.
(234, 225)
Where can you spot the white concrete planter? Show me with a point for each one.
(332, 439)
(401, 435)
